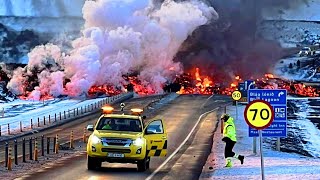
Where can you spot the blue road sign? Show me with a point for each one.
(273, 96)
(248, 84)
(278, 100)
(242, 89)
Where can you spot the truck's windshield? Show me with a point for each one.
(119, 124)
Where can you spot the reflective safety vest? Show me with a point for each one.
(229, 130)
(106, 127)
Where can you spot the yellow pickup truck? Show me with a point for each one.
(124, 138)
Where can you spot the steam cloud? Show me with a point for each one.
(232, 45)
(119, 37)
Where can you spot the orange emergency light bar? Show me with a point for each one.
(107, 109)
(136, 111)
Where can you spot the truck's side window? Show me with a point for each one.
(155, 127)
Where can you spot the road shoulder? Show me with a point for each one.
(278, 165)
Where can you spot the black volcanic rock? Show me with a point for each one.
(16, 45)
(5, 95)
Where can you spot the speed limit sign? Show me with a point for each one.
(259, 114)
(236, 95)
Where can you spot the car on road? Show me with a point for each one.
(307, 51)
(124, 138)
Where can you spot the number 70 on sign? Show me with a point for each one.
(259, 114)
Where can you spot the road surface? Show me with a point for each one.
(180, 117)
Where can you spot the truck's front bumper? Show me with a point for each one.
(130, 154)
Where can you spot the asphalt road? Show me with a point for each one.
(180, 116)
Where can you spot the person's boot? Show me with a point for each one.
(228, 163)
(241, 158)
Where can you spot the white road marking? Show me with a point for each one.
(183, 143)
(207, 101)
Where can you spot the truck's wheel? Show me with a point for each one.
(93, 163)
(148, 163)
(142, 165)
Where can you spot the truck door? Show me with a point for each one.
(156, 137)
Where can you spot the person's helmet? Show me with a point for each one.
(225, 117)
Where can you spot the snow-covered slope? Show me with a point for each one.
(41, 8)
(48, 18)
(296, 23)
(290, 33)
(45, 27)
(296, 10)
(307, 72)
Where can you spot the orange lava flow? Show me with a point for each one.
(198, 85)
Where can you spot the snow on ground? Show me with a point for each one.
(297, 10)
(291, 25)
(278, 165)
(308, 134)
(297, 98)
(281, 69)
(305, 130)
(63, 16)
(290, 33)
(23, 110)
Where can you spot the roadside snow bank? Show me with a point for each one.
(278, 165)
(303, 136)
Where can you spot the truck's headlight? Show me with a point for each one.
(95, 139)
(138, 142)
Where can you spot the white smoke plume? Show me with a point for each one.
(119, 37)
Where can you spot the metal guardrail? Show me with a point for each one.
(27, 149)
(49, 119)
(30, 149)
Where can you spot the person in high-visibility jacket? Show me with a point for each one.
(230, 138)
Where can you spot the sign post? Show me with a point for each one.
(249, 84)
(261, 155)
(236, 95)
(259, 114)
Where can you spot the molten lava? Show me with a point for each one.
(195, 84)
(198, 85)
(269, 75)
(293, 88)
(103, 90)
(130, 83)
(190, 84)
